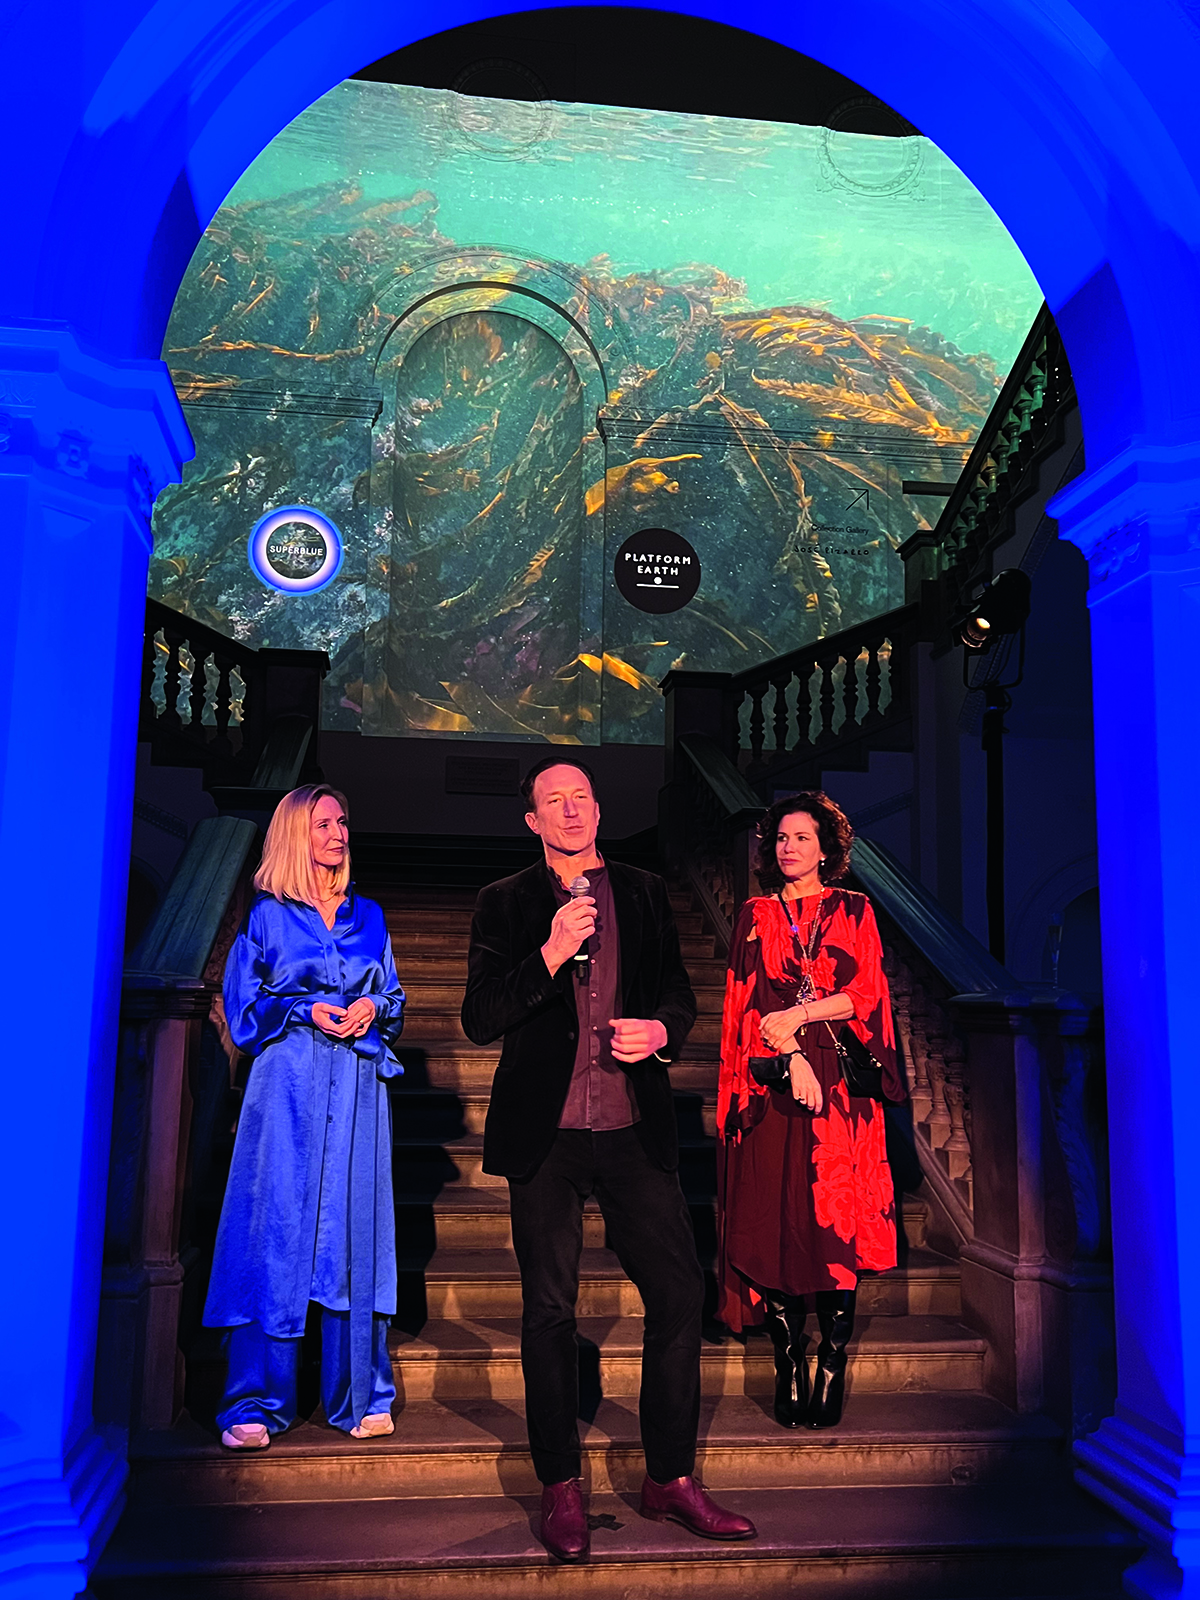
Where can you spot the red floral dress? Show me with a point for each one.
(804, 1202)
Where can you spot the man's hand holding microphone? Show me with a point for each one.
(634, 1038)
(573, 924)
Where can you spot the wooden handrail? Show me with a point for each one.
(952, 950)
(728, 789)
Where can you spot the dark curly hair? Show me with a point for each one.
(833, 830)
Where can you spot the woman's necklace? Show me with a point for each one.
(806, 991)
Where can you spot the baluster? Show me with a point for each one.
(171, 681)
(780, 686)
(938, 1120)
(757, 723)
(884, 659)
(922, 1089)
(146, 713)
(850, 694)
(223, 707)
(828, 693)
(804, 708)
(874, 683)
(198, 698)
(957, 1146)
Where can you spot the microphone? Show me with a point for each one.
(577, 887)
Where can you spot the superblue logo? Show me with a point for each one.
(296, 550)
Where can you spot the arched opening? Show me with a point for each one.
(172, 120)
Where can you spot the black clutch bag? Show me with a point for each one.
(861, 1073)
(770, 1071)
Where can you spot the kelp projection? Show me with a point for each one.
(774, 438)
(483, 631)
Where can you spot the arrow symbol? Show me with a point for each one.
(863, 498)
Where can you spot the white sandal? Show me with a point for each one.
(376, 1426)
(246, 1436)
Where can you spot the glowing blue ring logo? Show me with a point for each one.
(301, 562)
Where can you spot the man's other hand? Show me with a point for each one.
(635, 1038)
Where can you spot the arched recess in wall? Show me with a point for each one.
(487, 508)
(1051, 899)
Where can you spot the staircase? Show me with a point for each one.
(929, 1488)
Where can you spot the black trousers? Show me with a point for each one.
(651, 1233)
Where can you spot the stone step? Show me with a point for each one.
(473, 1219)
(426, 997)
(429, 1027)
(484, 1282)
(421, 1112)
(466, 1358)
(448, 1066)
(426, 1166)
(413, 937)
(418, 967)
(1023, 1541)
(447, 917)
(478, 1219)
(479, 1447)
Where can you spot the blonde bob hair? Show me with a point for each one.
(287, 870)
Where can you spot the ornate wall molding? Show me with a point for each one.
(1138, 512)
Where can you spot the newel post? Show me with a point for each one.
(696, 702)
(1036, 1276)
(139, 1370)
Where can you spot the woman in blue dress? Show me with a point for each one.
(311, 993)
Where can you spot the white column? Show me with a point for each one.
(1137, 519)
(85, 445)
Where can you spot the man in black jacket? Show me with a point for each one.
(576, 963)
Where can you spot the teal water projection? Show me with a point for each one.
(491, 340)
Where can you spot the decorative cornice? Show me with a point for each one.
(112, 425)
(1145, 499)
(282, 400)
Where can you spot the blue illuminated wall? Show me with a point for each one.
(416, 306)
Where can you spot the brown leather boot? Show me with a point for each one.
(564, 1523)
(687, 1502)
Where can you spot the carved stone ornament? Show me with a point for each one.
(141, 489)
(73, 453)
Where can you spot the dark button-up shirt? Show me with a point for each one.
(599, 1097)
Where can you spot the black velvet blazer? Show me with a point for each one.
(510, 992)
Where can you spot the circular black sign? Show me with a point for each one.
(657, 570)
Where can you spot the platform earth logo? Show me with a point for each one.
(296, 550)
(657, 571)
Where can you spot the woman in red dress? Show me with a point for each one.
(805, 1199)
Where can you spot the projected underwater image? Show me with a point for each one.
(491, 340)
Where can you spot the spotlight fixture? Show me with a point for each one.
(1002, 606)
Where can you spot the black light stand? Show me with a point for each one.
(999, 702)
(1002, 609)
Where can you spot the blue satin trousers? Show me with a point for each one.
(261, 1386)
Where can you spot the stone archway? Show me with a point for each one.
(1080, 135)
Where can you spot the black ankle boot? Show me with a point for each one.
(835, 1314)
(786, 1317)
